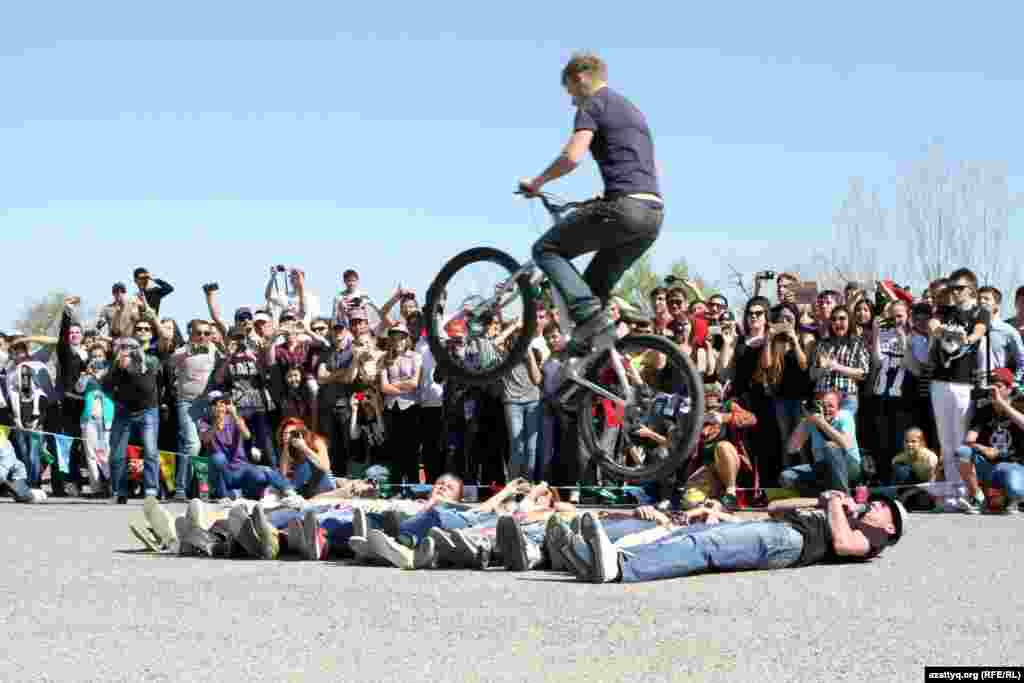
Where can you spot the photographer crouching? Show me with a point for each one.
(837, 460)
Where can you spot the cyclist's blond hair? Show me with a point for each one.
(585, 62)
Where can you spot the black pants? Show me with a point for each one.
(889, 420)
(403, 443)
(337, 423)
(433, 452)
(487, 441)
(67, 419)
(619, 230)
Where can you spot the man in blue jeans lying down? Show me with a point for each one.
(842, 531)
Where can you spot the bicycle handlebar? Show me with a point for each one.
(553, 207)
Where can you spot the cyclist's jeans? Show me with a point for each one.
(721, 547)
(619, 230)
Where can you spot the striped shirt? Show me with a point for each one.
(850, 352)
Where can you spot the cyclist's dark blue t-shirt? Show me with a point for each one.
(623, 147)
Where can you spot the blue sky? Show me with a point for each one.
(209, 142)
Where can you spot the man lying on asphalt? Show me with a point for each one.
(841, 531)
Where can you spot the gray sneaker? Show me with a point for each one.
(517, 552)
(249, 539)
(360, 527)
(425, 555)
(1012, 507)
(444, 547)
(595, 333)
(556, 535)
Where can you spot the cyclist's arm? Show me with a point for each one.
(567, 161)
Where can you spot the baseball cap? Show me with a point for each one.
(243, 313)
(349, 273)
(217, 396)
(377, 473)
(261, 317)
(899, 517)
(1003, 375)
(119, 287)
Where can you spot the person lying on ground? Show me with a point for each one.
(843, 531)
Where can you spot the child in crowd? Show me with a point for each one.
(915, 464)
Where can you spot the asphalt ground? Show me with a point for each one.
(79, 601)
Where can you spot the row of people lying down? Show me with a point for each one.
(526, 527)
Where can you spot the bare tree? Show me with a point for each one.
(42, 317)
(957, 215)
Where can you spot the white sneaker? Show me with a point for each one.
(38, 495)
(293, 501)
(606, 556)
(160, 520)
(360, 527)
(389, 549)
(361, 548)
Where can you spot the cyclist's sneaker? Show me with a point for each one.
(596, 332)
(728, 501)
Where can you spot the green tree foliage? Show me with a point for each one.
(42, 317)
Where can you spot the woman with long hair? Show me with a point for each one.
(782, 371)
(399, 379)
(840, 362)
(305, 459)
(863, 319)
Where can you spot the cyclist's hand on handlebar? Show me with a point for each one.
(529, 186)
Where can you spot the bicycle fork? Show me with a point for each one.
(574, 382)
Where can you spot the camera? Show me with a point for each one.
(766, 275)
(279, 269)
(355, 302)
(210, 287)
(298, 434)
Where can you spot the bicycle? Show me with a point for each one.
(639, 399)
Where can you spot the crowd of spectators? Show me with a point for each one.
(808, 393)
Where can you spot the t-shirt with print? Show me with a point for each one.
(844, 423)
(955, 362)
(891, 377)
(623, 146)
(243, 378)
(999, 432)
(814, 526)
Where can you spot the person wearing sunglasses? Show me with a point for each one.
(134, 382)
(191, 367)
(152, 288)
(958, 325)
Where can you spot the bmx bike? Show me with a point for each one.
(639, 401)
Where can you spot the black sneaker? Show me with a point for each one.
(597, 331)
(392, 524)
(511, 544)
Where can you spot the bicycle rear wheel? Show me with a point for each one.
(481, 281)
(649, 438)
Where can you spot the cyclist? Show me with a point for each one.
(620, 225)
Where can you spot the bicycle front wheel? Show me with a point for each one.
(487, 294)
(649, 437)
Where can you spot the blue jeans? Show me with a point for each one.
(29, 447)
(620, 230)
(904, 474)
(787, 415)
(442, 517)
(721, 547)
(834, 471)
(245, 479)
(524, 421)
(148, 423)
(189, 414)
(303, 473)
(1008, 476)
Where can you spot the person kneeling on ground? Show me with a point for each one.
(915, 464)
(793, 538)
(230, 472)
(994, 440)
(719, 459)
(837, 460)
(13, 475)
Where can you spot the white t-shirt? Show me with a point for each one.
(431, 392)
(278, 304)
(539, 343)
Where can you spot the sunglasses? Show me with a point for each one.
(959, 288)
(320, 328)
(676, 302)
(244, 318)
(143, 328)
(755, 314)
